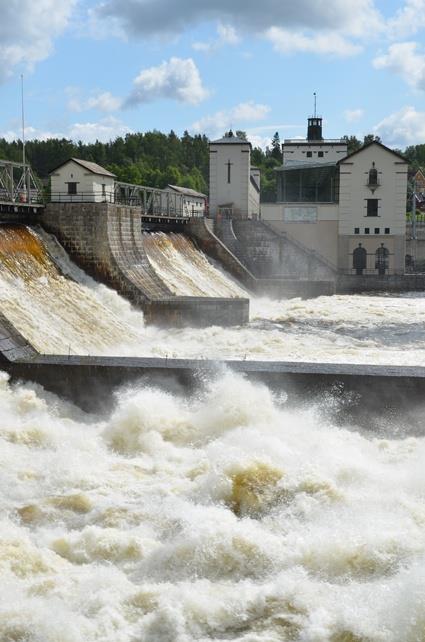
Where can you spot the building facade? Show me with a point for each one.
(350, 209)
(234, 184)
(193, 203)
(78, 180)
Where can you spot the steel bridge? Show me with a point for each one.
(154, 203)
(20, 191)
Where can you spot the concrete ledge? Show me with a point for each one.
(361, 394)
(352, 283)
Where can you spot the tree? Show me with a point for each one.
(371, 138)
(353, 143)
(276, 151)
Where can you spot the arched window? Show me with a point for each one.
(373, 176)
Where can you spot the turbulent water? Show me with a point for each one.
(63, 310)
(220, 517)
(223, 515)
(186, 270)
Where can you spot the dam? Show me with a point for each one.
(258, 476)
(227, 482)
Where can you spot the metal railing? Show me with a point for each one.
(152, 202)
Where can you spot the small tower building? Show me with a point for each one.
(234, 185)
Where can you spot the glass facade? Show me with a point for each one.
(319, 184)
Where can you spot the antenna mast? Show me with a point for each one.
(23, 121)
(315, 104)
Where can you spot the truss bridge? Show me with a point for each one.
(20, 191)
(155, 204)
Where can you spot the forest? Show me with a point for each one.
(156, 159)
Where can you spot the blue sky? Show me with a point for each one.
(101, 68)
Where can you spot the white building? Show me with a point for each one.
(193, 203)
(351, 209)
(234, 184)
(314, 149)
(78, 180)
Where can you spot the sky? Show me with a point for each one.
(98, 69)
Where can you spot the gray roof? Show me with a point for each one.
(187, 191)
(94, 168)
(230, 139)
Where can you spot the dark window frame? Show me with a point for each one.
(372, 207)
(72, 188)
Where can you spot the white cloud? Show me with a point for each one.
(408, 20)
(27, 31)
(88, 132)
(330, 43)
(226, 35)
(404, 60)
(405, 127)
(177, 79)
(221, 120)
(353, 115)
(104, 101)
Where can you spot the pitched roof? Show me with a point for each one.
(187, 191)
(374, 142)
(94, 168)
(230, 139)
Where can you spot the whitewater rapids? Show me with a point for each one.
(223, 516)
(61, 310)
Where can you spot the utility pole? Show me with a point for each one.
(25, 175)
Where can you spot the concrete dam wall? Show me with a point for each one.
(280, 266)
(106, 240)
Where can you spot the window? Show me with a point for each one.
(377, 230)
(103, 189)
(387, 230)
(373, 177)
(320, 154)
(229, 168)
(72, 188)
(309, 154)
(372, 207)
(356, 230)
(366, 230)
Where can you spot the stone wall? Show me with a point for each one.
(230, 252)
(106, 240)
(352, 283)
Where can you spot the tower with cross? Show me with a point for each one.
(234, 184)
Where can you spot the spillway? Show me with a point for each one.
(52, 311)
(59, 309)
(186, 270)
(226, 514)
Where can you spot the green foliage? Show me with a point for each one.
(415, 154)
(156, 159)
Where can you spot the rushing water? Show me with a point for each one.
(223, 516)
(61, 311)
(220, 516)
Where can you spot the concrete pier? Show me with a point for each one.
(106, 240)
(364, 394)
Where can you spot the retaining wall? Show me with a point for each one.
(107, 242)
(353, 284)
(231, 252)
